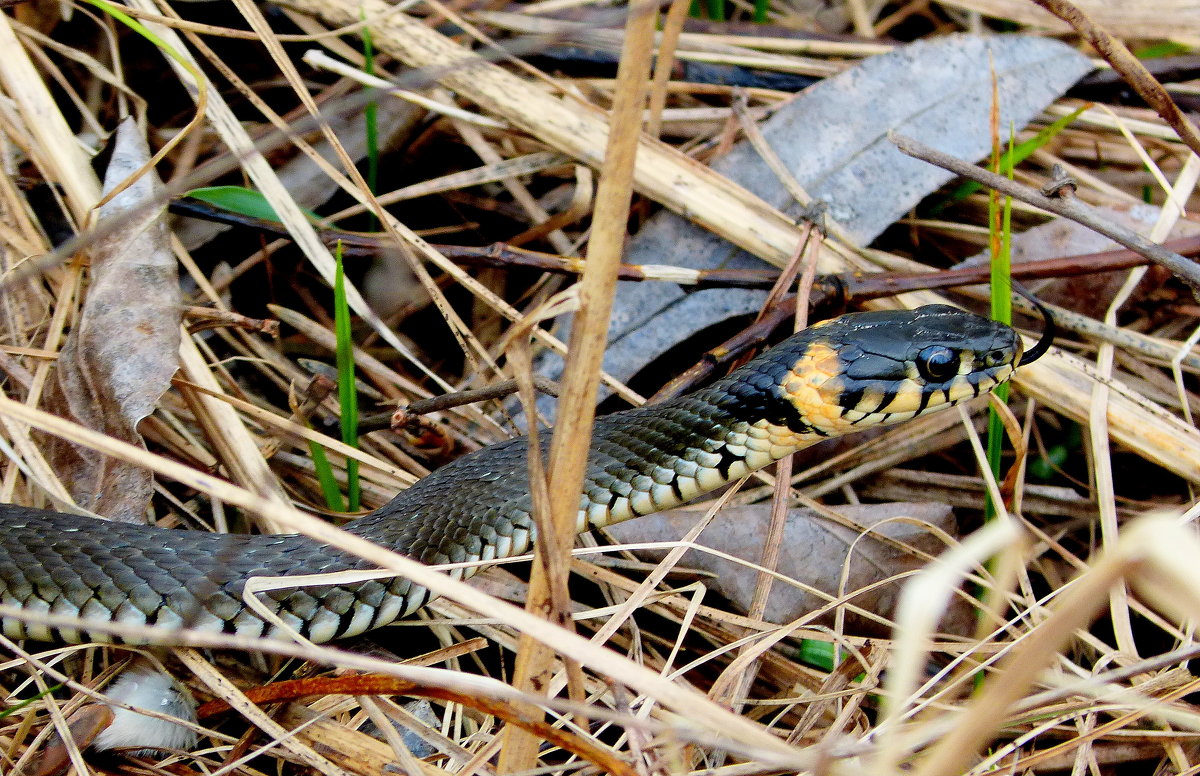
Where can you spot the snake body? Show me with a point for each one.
(845, 374)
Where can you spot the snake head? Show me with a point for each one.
(864, 369)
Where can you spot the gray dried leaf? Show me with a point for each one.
(119, 358)
(813, 552)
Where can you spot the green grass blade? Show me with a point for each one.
(18, 705)
(1000, 228)
(819, 654)
(1001, 275)
(329, 484)
(347, 391)
(115, 12)
(240, 200)
(1165, 49)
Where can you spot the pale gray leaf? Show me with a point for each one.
(813, 551)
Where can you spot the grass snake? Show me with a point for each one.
(839, 376)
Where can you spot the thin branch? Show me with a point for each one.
(201, 318)
(1129, 67)
(446, 401)
(377, 684)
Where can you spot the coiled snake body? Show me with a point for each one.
(834, 378)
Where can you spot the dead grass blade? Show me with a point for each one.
(1129, 66)
(1157, 555)
(569, 444)
(54, 145)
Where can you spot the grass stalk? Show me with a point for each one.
(329, 484)
(1000, 232)
(581, 376)
(347, 389)
(347, 401)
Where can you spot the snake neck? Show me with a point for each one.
(640, 461)
(657, 458)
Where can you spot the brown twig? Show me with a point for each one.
(729, 351)
(851, 288)
(1129, 67)
(377, 684)
(496, 391)
(318, 390)
(1067, 207)
(200, 318)
(303, 406)
(448, 401)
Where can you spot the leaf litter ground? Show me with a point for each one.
(508, 152)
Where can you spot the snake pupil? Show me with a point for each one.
(937, 363)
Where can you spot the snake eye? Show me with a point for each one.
(937, 364)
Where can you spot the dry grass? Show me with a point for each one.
(1079, 659)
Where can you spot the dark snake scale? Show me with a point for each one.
(834, 378)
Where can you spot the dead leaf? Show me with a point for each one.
(814, 551)
(119, 358)
(83, 725)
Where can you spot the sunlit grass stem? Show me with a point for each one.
(1000, 233)
(347, 389)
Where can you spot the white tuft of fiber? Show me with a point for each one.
(144, 687)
